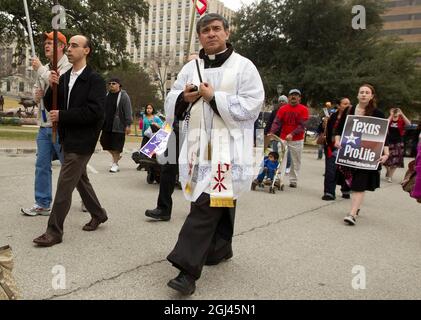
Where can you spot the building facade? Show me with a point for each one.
(402, 18)
(164, 38)
(15, 81)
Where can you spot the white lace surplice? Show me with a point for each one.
(239, 111)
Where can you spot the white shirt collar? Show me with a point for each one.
(78, 73)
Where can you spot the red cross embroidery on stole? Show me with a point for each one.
(219, 180)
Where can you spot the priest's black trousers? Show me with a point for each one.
(205, 236)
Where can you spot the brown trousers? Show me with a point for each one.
(206, 235)
(73, 175)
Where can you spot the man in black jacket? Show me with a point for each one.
(81, 96)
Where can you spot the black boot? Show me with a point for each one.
(183, 283)
(158, 214)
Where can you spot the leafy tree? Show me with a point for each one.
(310, 44)
(104, 21)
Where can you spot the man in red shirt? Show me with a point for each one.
(291, 119)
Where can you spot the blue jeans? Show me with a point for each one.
(275, 149)
(330, 176)
(43, 171)
(269, 173)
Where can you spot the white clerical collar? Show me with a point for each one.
(78, 73)
(213, 56)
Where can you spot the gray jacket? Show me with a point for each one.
(123, 116)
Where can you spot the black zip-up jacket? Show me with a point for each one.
(80, 121)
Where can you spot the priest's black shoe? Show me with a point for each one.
(183, 283)
(158, 214)
(212, 261)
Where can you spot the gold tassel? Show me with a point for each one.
(209, 151)
(188, 188)
(222, 202)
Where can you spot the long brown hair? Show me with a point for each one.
(373, 102)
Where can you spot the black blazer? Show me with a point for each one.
(81, 121)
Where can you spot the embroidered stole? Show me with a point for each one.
(201, 150)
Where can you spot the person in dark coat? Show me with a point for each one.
(80, 116)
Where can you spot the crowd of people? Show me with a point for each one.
(211, 108)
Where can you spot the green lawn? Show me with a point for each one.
(17, 135)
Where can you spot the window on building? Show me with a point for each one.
(402, 32)
(8, 86)
(21, 86)
(169, 76)
(401, 17)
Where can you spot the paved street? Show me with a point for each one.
(290, 245)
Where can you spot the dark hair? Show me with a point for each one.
(338, 101)
(274, 154)
(153, 108)
(88, 44)
(206, 19)
(373, 102)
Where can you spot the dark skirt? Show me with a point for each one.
(112, 141)
(365, 180)
(396, 151)
(359, 180)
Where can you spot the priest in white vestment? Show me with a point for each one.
(219, 97)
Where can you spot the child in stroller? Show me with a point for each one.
(270, 167)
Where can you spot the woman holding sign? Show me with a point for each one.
(359, 179)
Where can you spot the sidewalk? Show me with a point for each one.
(27, 147)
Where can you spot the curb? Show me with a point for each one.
(97, 150)
(27, 150)
(18, 150)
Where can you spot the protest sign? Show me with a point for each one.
(158, 142)
(362, 142)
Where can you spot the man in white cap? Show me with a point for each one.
(290, 120)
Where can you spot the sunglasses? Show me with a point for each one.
(112, 83)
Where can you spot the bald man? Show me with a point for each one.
(80, 115)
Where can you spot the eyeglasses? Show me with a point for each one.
(72, 45)
(112, 83)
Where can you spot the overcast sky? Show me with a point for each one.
(236, 4)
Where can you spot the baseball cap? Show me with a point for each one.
(294, 91)
(115, 80)
(283, 98)
(60, 36)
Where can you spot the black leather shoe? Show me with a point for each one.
(93, 224)
(214, 262)
(346, 196)
(183, 283)
(157, 214)
(328, 197)
(46, 240)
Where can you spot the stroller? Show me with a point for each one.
(150, 165)
(278, 180)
